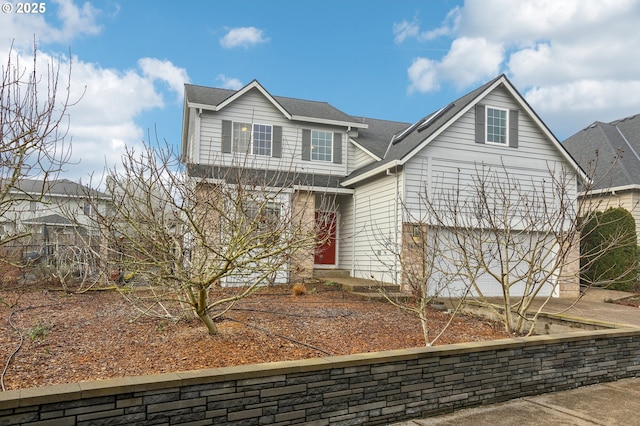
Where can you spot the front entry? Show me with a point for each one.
(327, 226)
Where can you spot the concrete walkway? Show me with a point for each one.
(614, 403)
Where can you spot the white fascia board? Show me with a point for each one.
(323, 189)
(254, 85)
(452, 120)
(365, 150)
(611, 190)
(380, 169)
(545, 130)
(329, 122)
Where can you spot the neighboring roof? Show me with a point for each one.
(295, 109)
(376, 137)
(403, 146)
(52, 219)
(63, 187)
(610, 152)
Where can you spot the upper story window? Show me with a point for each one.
(262, 139)
(321, 145)
(497, 125)
(241, 137)
(252, 138)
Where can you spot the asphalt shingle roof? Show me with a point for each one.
(609, 152)
(55, 187)
(299, 107)
(404, 142)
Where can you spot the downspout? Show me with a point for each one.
(397, 208)
(353, 233)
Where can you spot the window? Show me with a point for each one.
(262, 139)
(321, 145)
(241, 137)
(252, 139)
(263, 218)
(497, 125)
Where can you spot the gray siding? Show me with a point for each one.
(436, 167)
(454, 158)
(254, 108)
(377, 208)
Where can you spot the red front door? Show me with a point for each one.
(327, 225)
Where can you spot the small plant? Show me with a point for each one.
(299, 289)
(38, 331)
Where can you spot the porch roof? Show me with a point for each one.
(268, 178)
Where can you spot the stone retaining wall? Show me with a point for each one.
(374, 388)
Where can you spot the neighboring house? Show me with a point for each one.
(610, 153)
(55, 212)
(373, 168)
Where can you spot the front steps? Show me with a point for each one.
(369, 289)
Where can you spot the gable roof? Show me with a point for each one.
(214, 99)
(403, 146)
(610, 152)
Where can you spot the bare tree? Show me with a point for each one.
(426, 275)
(185, 237)
(512, 234)
(33, 125)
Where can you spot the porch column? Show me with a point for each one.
(303, 210)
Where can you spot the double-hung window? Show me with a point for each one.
(497, 125)
(252, 138)
(321, 145)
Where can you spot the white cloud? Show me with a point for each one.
(404, 30)
(75, 21)
(423, 75)
(243, 37)
(156, 69)
(229, 82)
(571, 58)
(105, 105)
(468, 61)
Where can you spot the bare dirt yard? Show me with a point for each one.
(49, 337)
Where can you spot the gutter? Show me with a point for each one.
(380, 169)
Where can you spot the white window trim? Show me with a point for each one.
(330, 160)
(251, 139)
(486, 126)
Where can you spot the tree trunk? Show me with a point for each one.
(203, 313)
(208, 322)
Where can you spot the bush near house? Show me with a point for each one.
(608, 251)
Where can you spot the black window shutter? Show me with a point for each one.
(337, 148)
(226, 135)
(276, 150)
(513, 128)
(306, 144)
(480, 117)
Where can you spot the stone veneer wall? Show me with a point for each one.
(375, 388)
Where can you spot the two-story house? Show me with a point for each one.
(372, 169)
(50, 212)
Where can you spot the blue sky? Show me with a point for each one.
(575, 61)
